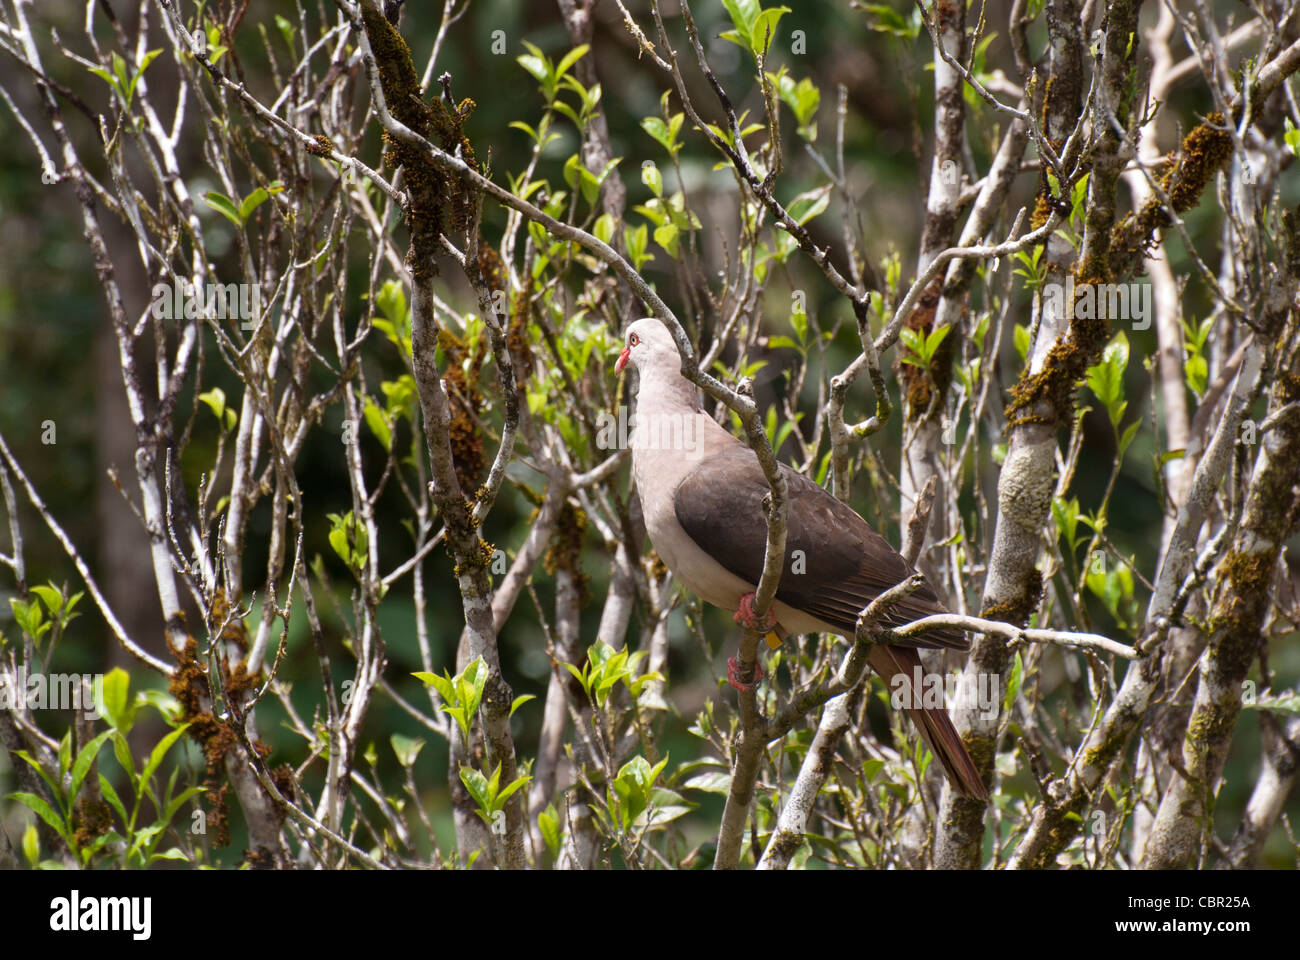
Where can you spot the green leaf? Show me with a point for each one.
(84, 759)
(215, 399)
(570, 58)
(1197, 370)
(763, 33)
(461, 694)
(51, 597)
(462, 720)
(890, 21)
(106, 77)
(1287, 702)
(118, 709)
(822, 468)
(145, 840)
(667, 237)
(43, 810)
(1127, 437)
(653, 211)
(179, 801)
(339, 541)
(548, 821)
(520, 125)
(657, 129)
(65, 753)
(519, 701)
(718, 782)
(1021, 338)
(803, 98)
(934, 338)
(287, 30)
(215, 47)
(1106, 377)
(561, 107)
(160, 752)
(632, 788)
(665, 133)
(224, 206)
(251, 203)
(743, 14)
(256, 199)
(683, 219)
(400, 397)
(589, 185)
(441, 684)
(471, 683)
(653, 179)
(573, 170)
(635, 239)
(1066, 515)
(56, 790)
(1033, 269)
(122, 751)
(534, 65)
(922, 346)
(603, 229)
(579, 675)
(28, 616)
(162, 701)
(1013, 684)
(1292, 137)
(505, 794)
(477, 785)
(378, 423)
(349, 539)
(808, 205)
(114, 801)
(407, 749)
(31, 845)
(124, 87)
(666, 806)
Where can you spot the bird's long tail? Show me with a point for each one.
(933, 723)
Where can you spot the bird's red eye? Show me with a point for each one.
(633, 340)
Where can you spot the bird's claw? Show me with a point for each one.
(746, 616)
(733, 678)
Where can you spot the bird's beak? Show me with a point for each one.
(622, 360)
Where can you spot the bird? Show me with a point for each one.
(702, 490)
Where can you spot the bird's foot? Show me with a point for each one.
(746, 615)
(733, 678)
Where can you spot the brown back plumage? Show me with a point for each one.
(843, 563)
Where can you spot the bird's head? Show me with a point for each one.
(648, 345)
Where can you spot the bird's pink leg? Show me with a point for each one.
(746, 616)
(733, 675)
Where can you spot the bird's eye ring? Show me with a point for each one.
(633, 340)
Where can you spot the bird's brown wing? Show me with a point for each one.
(835, 564)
